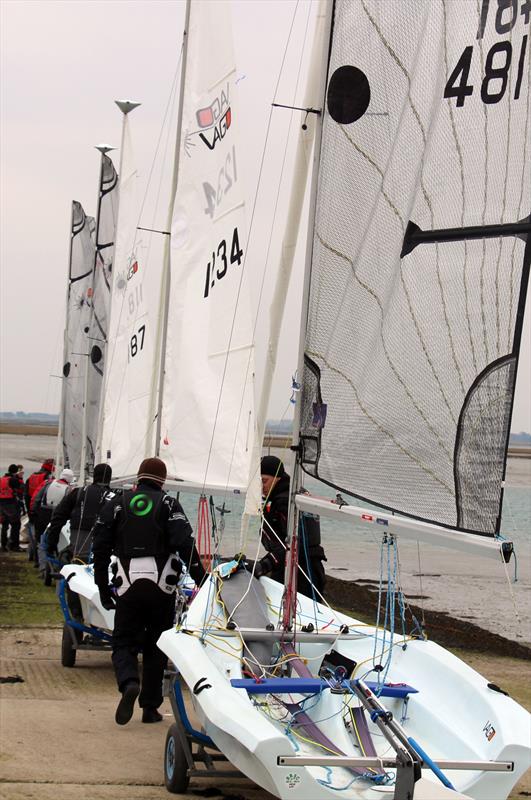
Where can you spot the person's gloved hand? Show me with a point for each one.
(107, 599)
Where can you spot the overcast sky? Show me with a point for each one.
(62, 65)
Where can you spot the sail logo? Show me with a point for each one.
(215, 118)
(489, 731)
(133, 269)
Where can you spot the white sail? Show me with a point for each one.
(413, 339)
(101, 298)
(76, 336)
(131, 357)
(207, 430)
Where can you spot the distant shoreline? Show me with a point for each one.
(270, 440)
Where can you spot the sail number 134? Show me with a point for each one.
(224, 255)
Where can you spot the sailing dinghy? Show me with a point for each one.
(417, 269)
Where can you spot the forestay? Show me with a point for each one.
(131, 358)
(103, 275)
(208, 418)
(411, 348)
(76, 340)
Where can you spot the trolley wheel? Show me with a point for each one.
(176, 775)
(47, 575)
(68, 651)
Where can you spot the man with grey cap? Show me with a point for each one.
(145, 529)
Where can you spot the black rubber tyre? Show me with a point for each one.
(68, 651)
(47, 577)
(176, 775)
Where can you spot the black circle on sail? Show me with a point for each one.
(349, 94)
(96, 354)
(66, 369)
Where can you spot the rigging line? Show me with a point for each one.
(394, 369)
(246, 253)
(164, 126)
(421, 588)
(504, 203)
(485, 172)
(413, 458)
(425, 193)
(462, 178)
(525, 162)
(268, 250)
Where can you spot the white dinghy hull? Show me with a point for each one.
(81, 581)
(453, 714)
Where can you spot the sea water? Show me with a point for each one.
(467, 586)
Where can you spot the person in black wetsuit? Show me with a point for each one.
(146, 529)
(276, 490)
(81, 507)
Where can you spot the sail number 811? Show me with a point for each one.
(223, 259)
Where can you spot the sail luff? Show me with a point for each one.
(125, 107)
(162, 329)
(306, 139)
(320, 61)
(103, 149)
(59, 459)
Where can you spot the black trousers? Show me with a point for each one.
(10, 516)
(142, 614)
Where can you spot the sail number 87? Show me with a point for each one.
(497, 72)
(223, 258)
(137, 341)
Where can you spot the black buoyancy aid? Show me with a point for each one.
(309, 527)
(6, 490)
(88, 502)
(140, 533)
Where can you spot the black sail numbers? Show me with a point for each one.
(226, 254)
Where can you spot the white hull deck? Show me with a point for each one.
(453, 715)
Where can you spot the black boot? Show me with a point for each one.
(124, 711)
(151, 715)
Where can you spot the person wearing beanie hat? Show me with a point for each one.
(10, 509)
(42, 507)
(276, 491)
(80, 507)
(146, 530)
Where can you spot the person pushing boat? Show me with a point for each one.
(146, 529)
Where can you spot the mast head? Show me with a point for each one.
(126, 106)
(104, 148)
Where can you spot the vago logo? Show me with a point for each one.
(216, 117)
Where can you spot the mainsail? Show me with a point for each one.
(76, 337)
(103, 273)
(130, 357)
(420, 257)
(208, 427)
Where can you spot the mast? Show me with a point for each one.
(162, 330)
(125, 106)
(103, 149)
(289, 600)
(308, 132)
(59, 458)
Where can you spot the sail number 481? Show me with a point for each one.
(497, 69)
(223, 259)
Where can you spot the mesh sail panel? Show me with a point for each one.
(410, 361)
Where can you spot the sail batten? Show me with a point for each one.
(418, 259)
